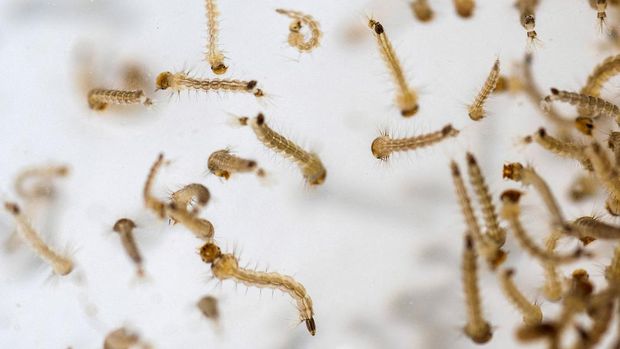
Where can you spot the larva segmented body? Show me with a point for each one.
(100, 99)
(180, 81)
(531, 312)
(296, 38)
(476, 109)
(552, 288)
(561, 148)
(593, 228)
(477, 328)
(124, 227)
(590, 104)
(223, 163)
(214, 55)
(606, 174)
(383, 146)
(225, 266)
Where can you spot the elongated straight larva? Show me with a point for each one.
(464, 8)
(311, 166)
(195, 195)
(122, 338)
(605, 173)
(476, 109)
(223, 163)
(591, 227)
(208, 307)
(422, 10)
(214, 55)
(180, 81)
(225, 266)
(531, 312)
(487, 246)
(35, 182)
(477, 328)
(510, 212)
(100, 99)
(527, 17)
(124, 227)
(383, 146)
(565, 149)
(602, 73)
(296, 37)
(406, 97)
(62, 265)
(590, 104)
(493, 230)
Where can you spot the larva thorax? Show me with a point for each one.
(383, 146)
(223, 163)
(179, 81)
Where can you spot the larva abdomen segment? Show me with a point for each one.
(100, 99)
(296, 38)
(180, 81)
(476, 109)
(214, 56)
(383, 146)
(609, 68)
(590, 104)
(223, 163)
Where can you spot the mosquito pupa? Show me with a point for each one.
(488, 247)
(214, 55)
(35, 182)
(585, 125)
(605, 173)
(100, 99)
(296, 37)
(406, 97)
(124, 227)
(531, 312)
(62, 265)
(477, 328)
(422, 10)
(464, 8)
(583, 187)
(123, 338)
(209, 308)
(180, 81)
(565, 149)
(223, 163)
(309, 163)
(225, 266)
(590, 104)
(192, 197)
(476, 109)
(476, 179)
(383, 146)
(602, 73)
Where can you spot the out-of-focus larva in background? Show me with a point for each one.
(527, 17)
(122, 338)
(464, 8)
(124, 227)
(422, 10)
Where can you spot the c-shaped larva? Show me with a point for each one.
(100, 99)
(122, 338)
(223, 163)
(225, 266)
(214, 55)
(194, 196)
(527, 17)
(311, 166)
(383, 146)
(180, 81)
(406, 97)
(602, 73)
(590, 104)
(296, 38)
(476, 109)
(62, 265)
(477, 328)
(124, 227)
(422, 10)
(40, 178)
(531, 312)
(464, 8)
(561, 148)
(606, 174)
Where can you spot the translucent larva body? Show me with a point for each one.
(477, 328)
(606, 174)
(209, 308)
(124, 339)
(214, 55)
(99, 99)
(192, 197)
(35, 182)
(476, 109)
(590, 104)
(223, 163)
(602, 73)
(180, 81)
(383, 146)
(296, 38)
(561, 148)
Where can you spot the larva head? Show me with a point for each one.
(479, 333)
(209, 252)
(585, 125)
(554, 91)
(581, 284)
(449, 131)
(465, 8)
(311, 326)
(529, 22)
(219, 68)
(252, 87)
(476, 113)
(512, 171)
(208, 306)
(165, 80)
(124, 226)
(380, 149)
(375, 26)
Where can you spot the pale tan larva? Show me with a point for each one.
(214, 55)
(123, 338)
(99, 99)
(601, 11)
(422, 10)
(309, 163)
(296, 38)
(531, 312)
(124, 227)
(464, 8)
(180, 81)
(564, 149)
(583, 187)
(135, 77)
(613, 142)
(195, 196)
(35, 182)
(62, 265)
(223, 163)
(406, 97)
(601, 310)
(209, 308)
(602, 73)
(590, 104)
(383, 146)
(225, 266)
(476, 328)
(527, 17)
(606, 174)
(590, 227)
(476, 109)
(612, 271)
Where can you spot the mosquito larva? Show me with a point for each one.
(214, 55)
(209, 308)
(195, 195)
(406, 97)
(583, 187)
(605, 173)
(422, 10)
(223, 163)
(488, 247)
(527, 17)
(124, 339)
(563, 149)
(134, 77)
(589, 226)
(529, 333)
(62, 265)
(602, 73)
(476, 109)
(150, 201)
(124, 227)
(585, 125)
(612, 271)
(494, 231)
(590, 104)
(383, 146)
(100, 99)
(477, 328)
(464, 8)
(613, 142)
(531, 312)
(552, 288)
(225, 266)
(296, 38)
(601, 315)
(179, 81)
(40, 178)
(311, 166)
(601, 11)
(612, 204)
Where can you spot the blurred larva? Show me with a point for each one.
(583, 187)
(477, 328)
(135, 77)
(406, 97)
(124, 227)
(560, 148)
(223, 163)
(122, 338)
(552, 287)
(209, 308)
(180, 81)
(602, 73)
(612, 271)
(40, 181)
(296, 38)
(590, 104)
(476, 109)
(311, 166)
(464, 8)
(214, 55)
(194, 196)
(225, 266)
(545, 330)
(99, 99)
(613, 142)
(62, 265)
(531, 312)
(605, 173)
(383, 146)
(600, 309)
(422, 10)
(601, 12)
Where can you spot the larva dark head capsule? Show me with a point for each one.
(311, 326)
(209, 252)
(511, 196)
(410, 111)
(164, 80)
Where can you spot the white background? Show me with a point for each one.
(377, 246)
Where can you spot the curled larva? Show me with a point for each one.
(180, 81)
(223, 163)
(476, 109)
(100, 99)
(35, 182)
(602, 73)
(531, 312)
(476, 328)
(225, 266)
(383, 146)
(124, 227)
(296, 37)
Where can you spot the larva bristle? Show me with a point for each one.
(296, 39)
(383, 146)
(214, 55)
